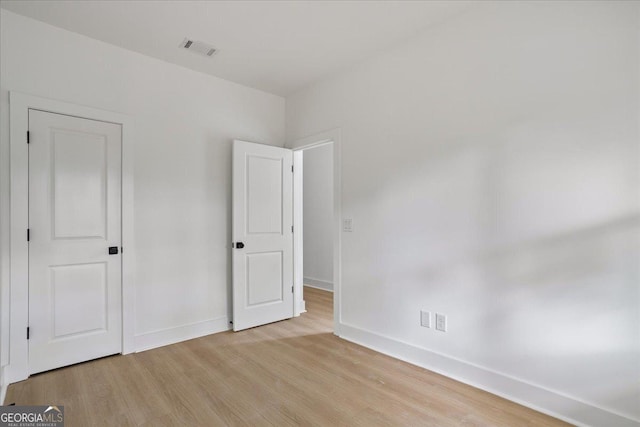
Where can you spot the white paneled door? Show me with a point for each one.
(262, 234)
(75, 310)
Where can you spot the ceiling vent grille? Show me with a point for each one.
(198, 47)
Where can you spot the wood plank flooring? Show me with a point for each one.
(294, 372)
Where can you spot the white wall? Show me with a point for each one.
(184, 122)
(318, 216)
(491, 167)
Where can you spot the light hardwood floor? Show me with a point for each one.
(294, 372)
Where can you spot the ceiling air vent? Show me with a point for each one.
(198, 47)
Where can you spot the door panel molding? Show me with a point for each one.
(15, 296)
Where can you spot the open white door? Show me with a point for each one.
(262, 234)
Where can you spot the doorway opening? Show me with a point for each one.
(316, 223)
(268, 230)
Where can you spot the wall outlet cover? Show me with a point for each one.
(441, 322)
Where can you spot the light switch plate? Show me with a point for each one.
(425, 319)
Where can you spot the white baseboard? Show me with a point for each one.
(318, 284)
(168, 336)
(546, 401)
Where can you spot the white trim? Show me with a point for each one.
(128, 242)
(19, 105)
(298, 234)
(3, 387)
(318, 284)
(530, 395)
(331, 136)
(177, 334)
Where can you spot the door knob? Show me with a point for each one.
(239, 245)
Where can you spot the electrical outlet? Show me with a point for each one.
(441, 322)
(425, 319)
(347, 225)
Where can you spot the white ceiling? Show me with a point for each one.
(275, 46)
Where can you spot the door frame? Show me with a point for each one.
(328, 137)
(18, 298)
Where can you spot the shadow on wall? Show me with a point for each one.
(529, 243)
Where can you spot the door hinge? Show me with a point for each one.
(28, 234)
(291, 168)
(292, 228)
(292, 289)
(28, 137)
(27, 332)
